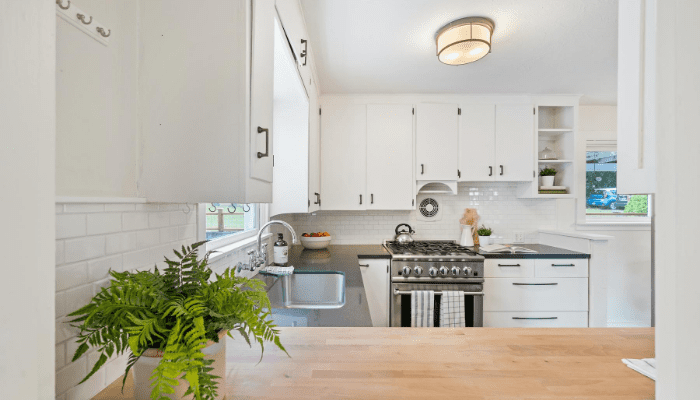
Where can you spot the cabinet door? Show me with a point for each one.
(314, 152)
(437, 136)
(477, 141)
(375, 277)
(261, 90)
(515, 144)
(344, 156)
(390, 181)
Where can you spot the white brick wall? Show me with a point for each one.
(91, 240)
(497, 204)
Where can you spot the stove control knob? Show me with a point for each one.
(455, 271)
(443, 271)
(467, 271)
(406, 271)
(418, 270)
(432, 271)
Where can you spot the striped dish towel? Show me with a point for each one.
(452, 309)
(422, 308)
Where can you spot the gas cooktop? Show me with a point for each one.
(430, 249)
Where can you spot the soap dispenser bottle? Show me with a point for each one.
(281, 251)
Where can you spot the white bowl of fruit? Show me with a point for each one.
(316, 240)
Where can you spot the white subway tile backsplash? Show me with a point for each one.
(99, 269)
(84, 248)
(134, 221)
(69, 376)
(186, 232)
(61, 308)
(178, 218)
(64, 330)
(137, 259)
(158, 220)
(119, 243)
(68, 225)
(147, 238)
(147, 207)
(78, 297)
(60, 254)
(100, 223)
(497, 204)
(89, 388)
(60, 355)
(169, 234)
(72, 275)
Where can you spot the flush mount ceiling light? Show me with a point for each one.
(464, 40)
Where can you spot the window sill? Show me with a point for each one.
(229, 248)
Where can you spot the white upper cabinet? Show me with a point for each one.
(261, 89)
(477, 141)
(515, 146)
(344, 156)
(437, 138)
(390, 180)
(636, 59)
(205, 87)
(314, 152)
(290, 131)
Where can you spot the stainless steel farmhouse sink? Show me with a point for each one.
(309, 290)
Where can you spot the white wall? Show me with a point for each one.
(496, 203)
(97, 107)
(27, 130)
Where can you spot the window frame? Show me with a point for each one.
(227, 241)
(583, 219)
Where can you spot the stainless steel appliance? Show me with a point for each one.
(437, 266)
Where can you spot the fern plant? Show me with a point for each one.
(177, 311)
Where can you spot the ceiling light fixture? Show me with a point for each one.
(464, 40)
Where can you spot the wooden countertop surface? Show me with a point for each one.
(438, 363)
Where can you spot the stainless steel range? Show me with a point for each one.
(436, 266)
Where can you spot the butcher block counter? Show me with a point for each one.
(438, 363)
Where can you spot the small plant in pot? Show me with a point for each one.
(484, 235)
(172, 322)
(547, 175)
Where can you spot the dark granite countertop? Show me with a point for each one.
(543, 251)
(340, 258)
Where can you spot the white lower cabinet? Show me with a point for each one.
(375, 277)
(536, 293)
(539, 319)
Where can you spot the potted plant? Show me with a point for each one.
(484, 235)
(171, 323)
(547, 175)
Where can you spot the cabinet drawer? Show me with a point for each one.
(536, 294)
(536, 319)
(509, 268)
(564, 268)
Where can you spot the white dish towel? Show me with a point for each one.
(452, 309)
(645, 366)
(422, 308)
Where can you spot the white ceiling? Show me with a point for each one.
(539, 47)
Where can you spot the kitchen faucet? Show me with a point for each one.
(258, 256)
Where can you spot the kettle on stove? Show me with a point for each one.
(404, 236)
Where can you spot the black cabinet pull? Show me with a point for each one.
(267, 142)
(371, 198)
(422, 169)
(563, 265)
(360, 199)
(501, 170)
(318, 199)
(535, 284)
(490, 170)
(303, 52)
(535, 317)
(508, 265)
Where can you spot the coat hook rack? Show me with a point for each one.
(234, 209)
(188, 209)
(244, 210)
(81, 17)
(82, 21)
(60, 5)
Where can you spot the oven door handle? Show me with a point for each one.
(398, 292)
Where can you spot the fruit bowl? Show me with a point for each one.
(315, 243)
